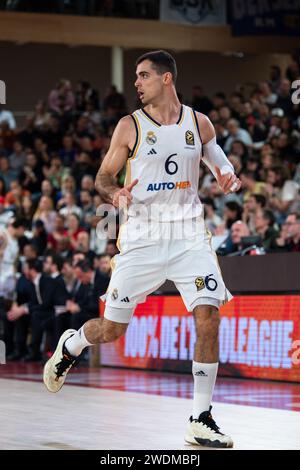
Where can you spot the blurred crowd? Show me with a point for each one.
(260, 134)
(48, 222)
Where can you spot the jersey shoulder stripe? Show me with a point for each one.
(133, 152)
(196, 124)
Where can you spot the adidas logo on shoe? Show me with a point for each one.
(201, 373)
(125, 299)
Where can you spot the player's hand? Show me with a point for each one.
(15, 313)
(122, 197)
(229, 183)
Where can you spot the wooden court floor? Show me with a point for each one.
(110, 418)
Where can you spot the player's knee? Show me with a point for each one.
(207, 321)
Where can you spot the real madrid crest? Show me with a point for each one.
(200, 283)
(114, 294)
(151, 138)
(189, 138)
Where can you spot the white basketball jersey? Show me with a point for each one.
(165, 159)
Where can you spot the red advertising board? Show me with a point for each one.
(259, 337)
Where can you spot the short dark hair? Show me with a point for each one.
(84, 265)
(103, 255)
(19, 223)
(260, 199)
(56, 260)
(162, 62)
(269, 216)
(35, 264)
(234, 206)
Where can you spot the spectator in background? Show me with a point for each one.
(58, 233)
(236, 133)
(233, 243)
(53, 266)
(41, 116)
(264, 226)
(40, 149)
(15, 196)
(232, 213)
(31, 176)
(236, 161)
(68, 275)
(19, 316)
(67, 152)
(111, 248)
(17, 158)
(284, 100)
(70, 206)
(68, 184)
(266, 94)
(85, 304)
(28, 133)
(73, 229)
(7, 174)
(46, 213)
(255, 203)
(7, 116)
(82, 245)
(61, 99)
(250, 185)
(47, 189)
(219, 100)
(56, 172)
(114, 103)
(53, 134)
(253, 165)
(40, 307)
(2, 187)
(30, 252)
(200, 102)
(275, 77)
(289, 238)
(87, 206)
(83, 166)
(85, 95)
(39, 239)
(5, 214)
(103, 264)
(87, 184)
(27, 211)
(281, 190)
(240, 149)
(212, 220)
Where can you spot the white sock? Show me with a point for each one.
(77, 343)
(204, 384)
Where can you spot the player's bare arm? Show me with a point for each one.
(214, 157)
(122, 141)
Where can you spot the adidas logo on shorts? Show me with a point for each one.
(125, 299)
(152, 152)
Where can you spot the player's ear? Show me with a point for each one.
(167, 78)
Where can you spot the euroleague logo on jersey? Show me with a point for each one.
(189, 138)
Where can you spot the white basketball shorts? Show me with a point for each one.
(177, 251)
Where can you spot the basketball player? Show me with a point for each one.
(162, 145)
